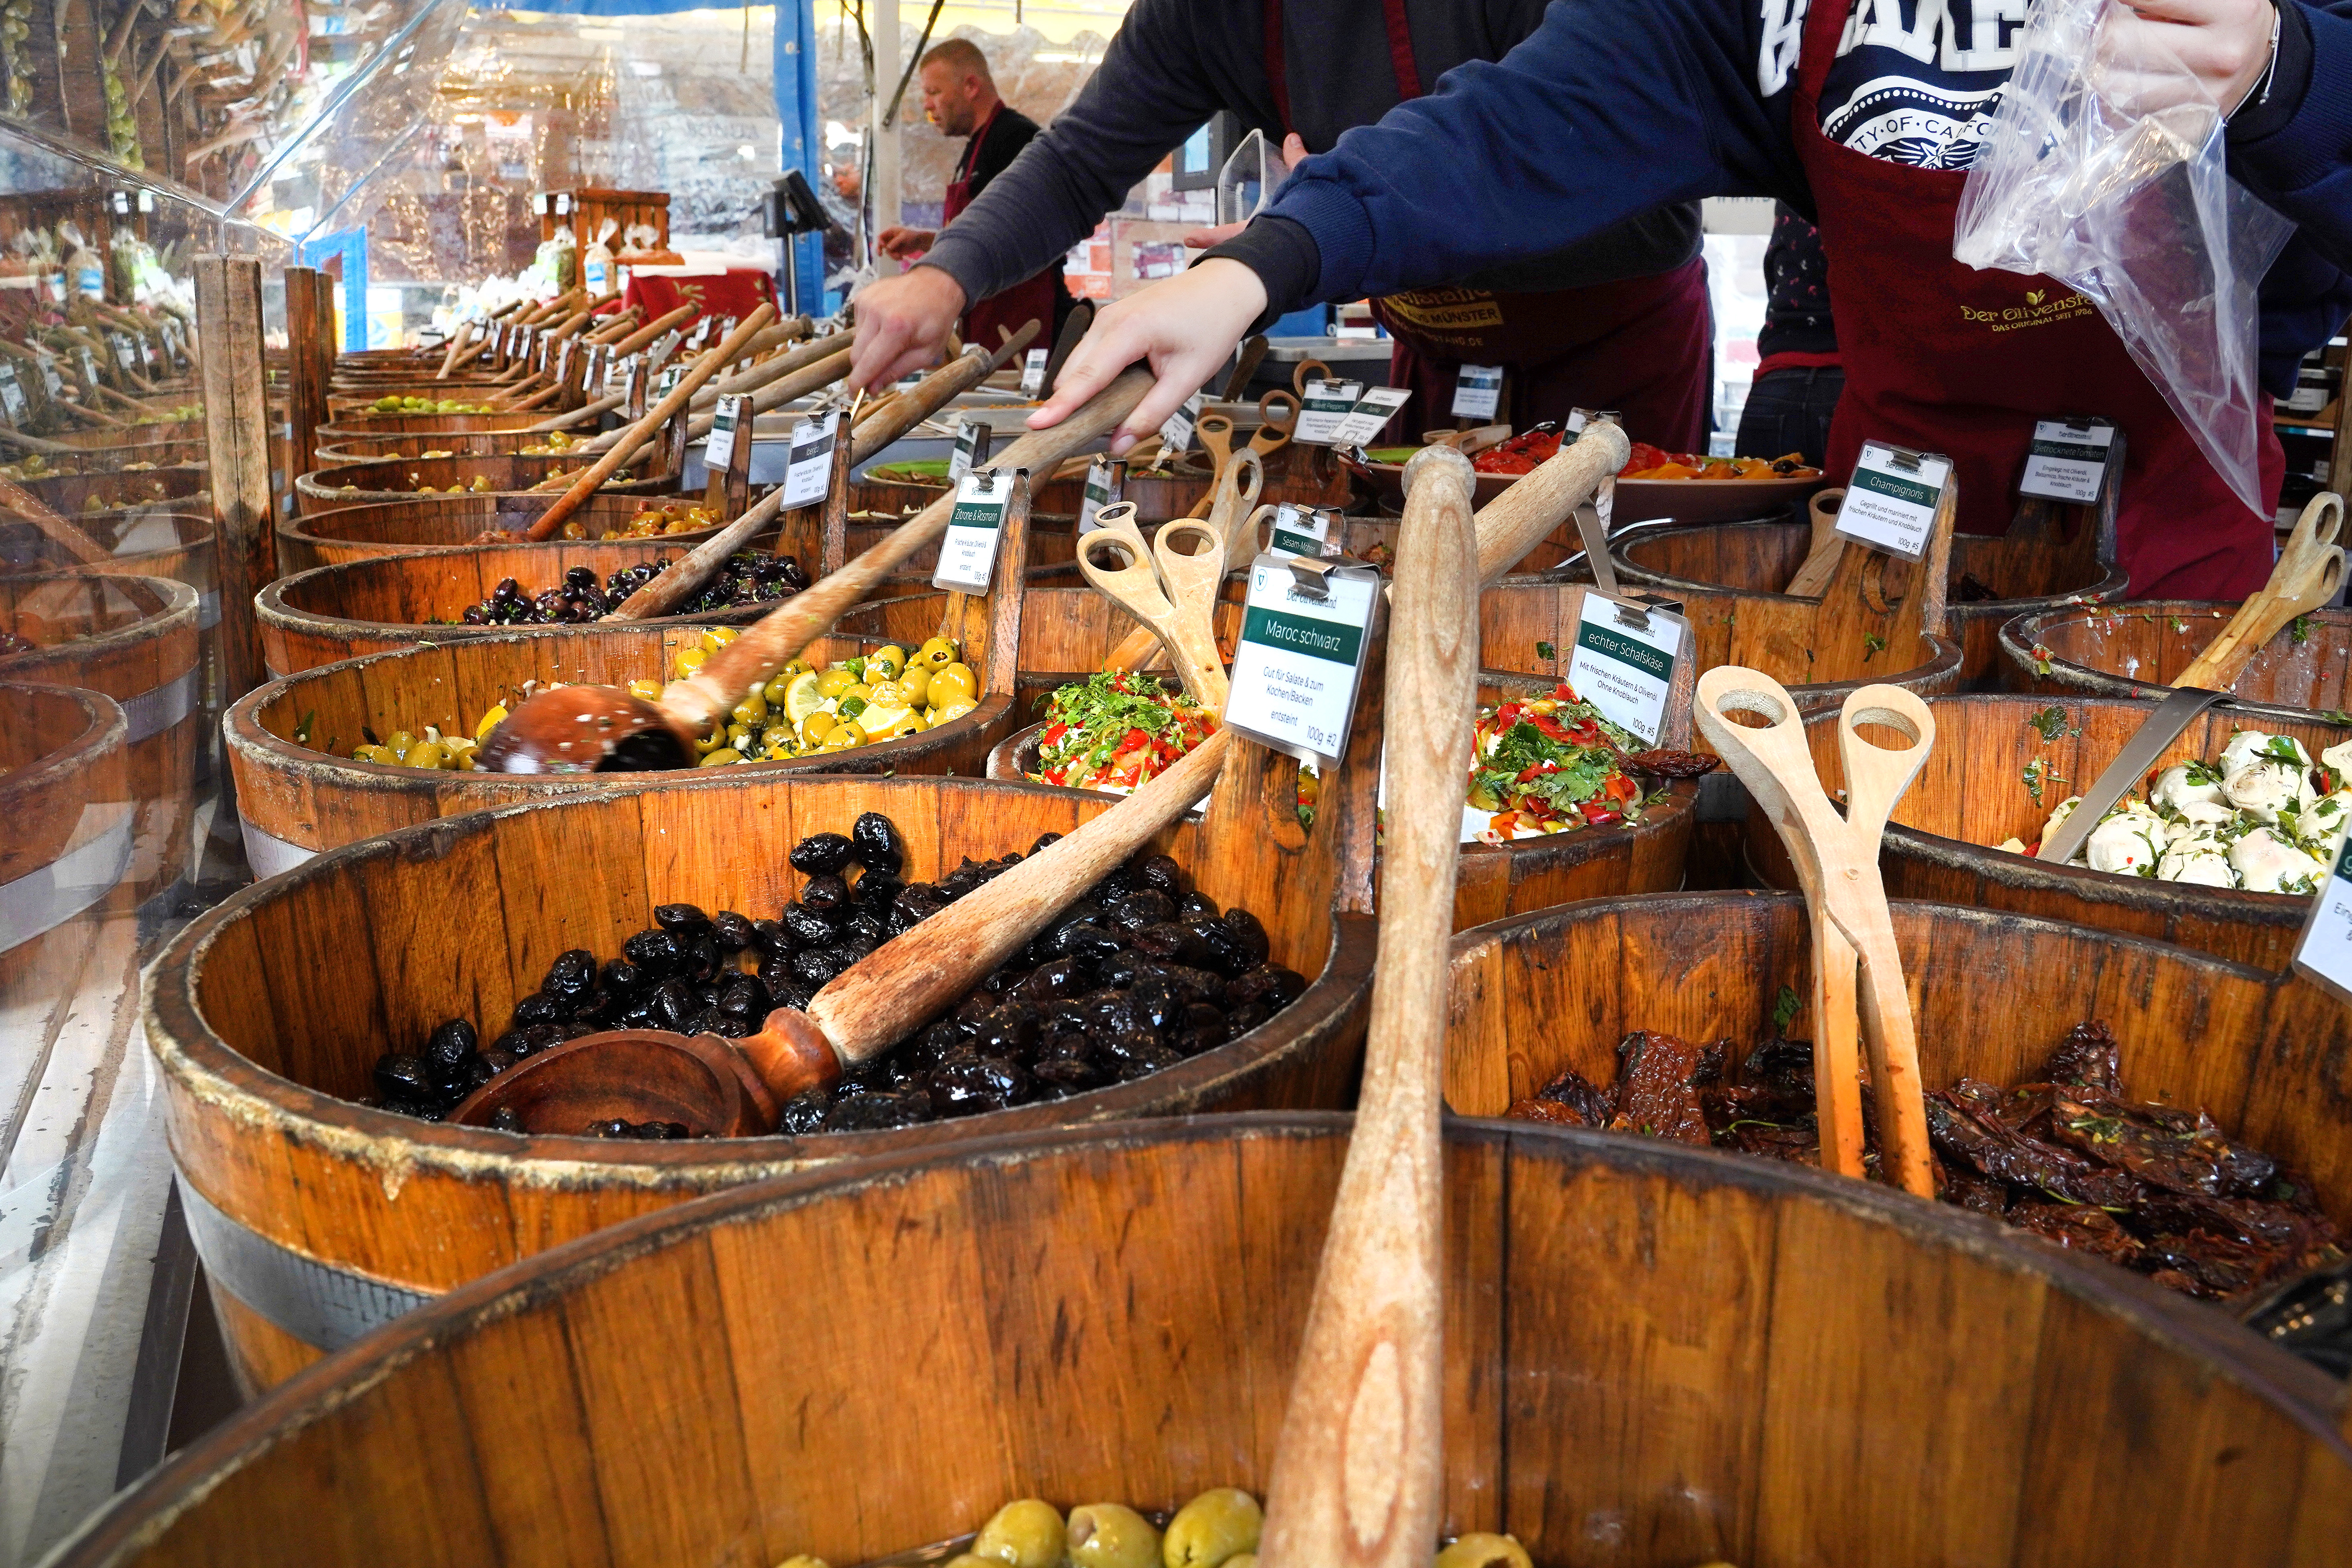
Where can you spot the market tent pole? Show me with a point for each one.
(883, 187)
(804, 142)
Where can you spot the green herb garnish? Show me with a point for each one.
(1785, 1008)
(2051, 722)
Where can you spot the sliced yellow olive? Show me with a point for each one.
(844, 737)
(753, 708)
(887, 660)
(398, 743)
(688, 660)
(937, 652)
(425, 754)
(710, 742)
(720, 758)
(650, 691)
(947, 711)
(1479, 1549)
(715, 638)
(834, 681)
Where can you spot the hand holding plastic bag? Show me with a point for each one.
(2105, 170)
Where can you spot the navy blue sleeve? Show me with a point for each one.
(1611, 108)
(2304, 167)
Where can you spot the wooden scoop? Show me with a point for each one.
(1821, 563)
(2309, 572)
(56, 529)
(1172, 592)
(593, 729)
(738, 1088)
(1837, 864)
(1359, 1477)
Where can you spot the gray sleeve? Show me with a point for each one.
(1150, 93)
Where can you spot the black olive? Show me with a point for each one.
(1116, 1019)
(744, 998)
(1130, 1056)
(797, 994)
(976, 1006)
(1194, 906)
(1117, 883)
(541, 1037)
(726, 1026)
(1008, 1030)
(571, 976)
(1156, 1003)
(621, 978)
(1005, 980)
(1194, 985)
(498, 1060)
(961, 880)
(1043, 840)
(475, 1073)
(1084, 939)
(773, 936)
(866, 926)
(816, 966)
(702, 957)
(809, 928)
(985, 1083)
(733, 931)
(825, 893)
(821, 853)
(1059, 1077)
(1139, 910)
(875, 841)
(918, 899)
(513, 1042)
(1250, 931)
(656, 952)
(662, 1130)
(876, 1113)
(451, 1044)
(1225, 953)
(1121, 970)
(1289, 985)
(1055, 978)
(539, 1008)
(1161, 874)
(804, 1112)
(933, 1044)
(576, 1029)
(399, 1075)
(877, 890)
(1171, 943)
(505, 1119)
(612, 1128)
(905, 1074)
(674, 1007)
(1203, 1027)
(681, 919)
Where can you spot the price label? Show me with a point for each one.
(12, 394)
(149, 354)
(808, 471)
(968, 550)
(663, 347)
(726, 417)
(969, 434)
(125, 354)
(1033, 372)
(1327, 402)
(1371, 416)
(88, 364)
(1890, 503)
(1300, 657)
(1578, 418)
(1623, 661)
(668, 380)
(1477, 391)
(1102, 489)
(2324, 953)
(1176, 435)
(2068, 459)
(1299, 530)
(49, 376)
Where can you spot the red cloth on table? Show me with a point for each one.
(736, 292)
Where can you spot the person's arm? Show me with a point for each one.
(2290, 141)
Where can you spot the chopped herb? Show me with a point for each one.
(1785, 1007)
(303, 731)
(2300, 632)
(2051, 722)
(2178, 625)
(1871, 643)
(1545, 650)
(2039, 772)
(2283, 748)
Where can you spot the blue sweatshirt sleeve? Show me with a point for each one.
(1610, 108)
(2300, 158)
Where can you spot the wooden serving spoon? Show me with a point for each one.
(1228, 510)
(738, 1088)
(1820, 563)
(2309, 572)
(596, 729)
(56, 529)
(1836, 859)
(1171, 593)
(1359, 1474)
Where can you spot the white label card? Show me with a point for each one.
(1371, 416)
(1033, 372)
(1176, 435)
(2324, 953)
(809, 468)
(2068, 459)
(1300, 658)
(49, 376)
(1477, 391)
(1890, 503)
(968, 550)
(125, 354)
(726, 417)
(967, 444)
(1097, 493)
(1327, 402)
(1299, 530)
(12, 394)
(1623, 667)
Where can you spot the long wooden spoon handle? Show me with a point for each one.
(77, 544)
(654, 328)
(1538, 501)
(1820, 563)
(1357, 1478)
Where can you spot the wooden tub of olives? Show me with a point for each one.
(2137, 649)
(179, 487)
(1497, 879)
(325, 1196)
(65, 786)
(420, 524)
(373, 426)
(348, 485)
(434, 443)
(2039, 564)
(1652, 1356)
(2001, 765)
(135, 641)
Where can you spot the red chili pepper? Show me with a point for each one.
(1054, 734)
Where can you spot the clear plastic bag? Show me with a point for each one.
(2105, 170)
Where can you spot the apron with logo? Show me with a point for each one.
(1029, 300)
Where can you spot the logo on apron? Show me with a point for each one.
(2038, 310)
(1444, 309)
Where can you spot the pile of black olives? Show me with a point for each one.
(748, 577)
(1136, 975)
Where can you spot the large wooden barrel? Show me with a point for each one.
(321, 1217)
(430, 523)
(374, 605)
(2137, 649)
(65, 788)
(181, 488)
(134, 639)
(108, 440)
(362, 427)
(2036, 566)
(479, 444)
(1651, 1357)
(1976, 792)
(347, 485)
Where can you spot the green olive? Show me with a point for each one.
(724, 756)
(1219, 1524)
(1107, 1535)
(753, 709)
(425, 754)
(1027, 1534)
(966, 1560)
(1480, 1550)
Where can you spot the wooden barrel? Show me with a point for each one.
(135, 641)
(109, 439)
(348, 485)
(1498, 880)
(184, 486)
(66, 790)
(322, 1218)
(1158, 495)
(1976, 792)
(2036, 566)
(452, 522)
(2137, 649)
(370, 426)
(480, 444)
(374, 605)
(1652, 1356)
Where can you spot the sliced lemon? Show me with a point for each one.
(877, 721)
(801, 697)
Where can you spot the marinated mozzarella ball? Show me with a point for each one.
(2184, 785)
(2201, 860)
(2124, 842)
(2324, 821)
(2337, 758)
(2264, 861)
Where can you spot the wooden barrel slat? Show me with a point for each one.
(347, 485)
(2137, 649)
(449, 522)
(1650, 1358)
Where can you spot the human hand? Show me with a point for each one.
(904, 244)
(903, 325)
(2224, 43)
(1294, 153)
(1186, 326)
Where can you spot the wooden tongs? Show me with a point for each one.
(1232, 518)
(1837, 864)
(1169, 584)
(2309, 572)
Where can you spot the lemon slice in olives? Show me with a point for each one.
(803, 697)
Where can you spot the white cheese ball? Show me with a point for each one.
(2264, 861)
(2198, 860)
(2338, 757)
(2124, 842)
(2263, 788)
(2173, 789)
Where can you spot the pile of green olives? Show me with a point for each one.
(1219, 1528)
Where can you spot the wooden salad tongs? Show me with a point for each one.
(597, 728)
(1836, 859)
(1169, 583)
(1230, 516)
(2309, 572)
(1359, 1477)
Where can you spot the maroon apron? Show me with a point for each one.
(1031, 301)
(1642, 346)
(1941, 357)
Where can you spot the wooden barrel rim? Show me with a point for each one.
(175, 600)
(217, 1074)
(312, 492)
(2021, 635)
(295, 532)
(184, 1482)
(353, 429)
(104, 716)
(46, 800)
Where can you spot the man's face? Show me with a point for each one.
(947, 100)
(844, 177)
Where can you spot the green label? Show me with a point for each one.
(1900, 489)
(1318, 639)
(1626, 651)
(977, 514)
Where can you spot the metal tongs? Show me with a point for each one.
(1837, 864)
(1169, 584)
